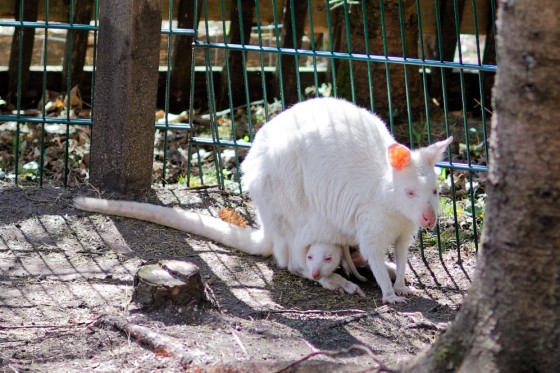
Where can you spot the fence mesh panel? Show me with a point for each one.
(425, 66)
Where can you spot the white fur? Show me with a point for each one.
(319, 173)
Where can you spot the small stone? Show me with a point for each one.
(31, 166)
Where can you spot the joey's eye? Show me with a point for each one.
(310, 257)
(328, 258)
(410, 193)
(435, 192)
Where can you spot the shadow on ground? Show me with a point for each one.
(61, 269)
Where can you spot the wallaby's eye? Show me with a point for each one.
(310, 257)
(410, 193)
(435, 192)
(328, 258)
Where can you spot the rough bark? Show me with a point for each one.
(235, 74)
(125, 95)
(182, 58)
(398, 98)
(510, 321)
(290, 91)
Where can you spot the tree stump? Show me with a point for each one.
(168, 282)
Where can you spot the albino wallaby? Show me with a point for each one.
(322, 171)
(327, 171)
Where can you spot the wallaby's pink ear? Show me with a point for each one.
(399, 156)
(433, 153)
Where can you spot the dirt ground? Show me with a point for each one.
(61, 269)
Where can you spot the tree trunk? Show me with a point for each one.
(181, 63)
(446, 52)
(382, 101)
(234, 78)
(510, 321)
(26, 37)
(285, 83)
(77, 40)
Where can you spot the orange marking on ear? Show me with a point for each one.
(399, 156)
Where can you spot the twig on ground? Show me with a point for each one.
(45, 326)
(336, 312)
(349, 319)
(91, 186)
(160, 344)
(239, 342)
(418, 321)
(381, 367)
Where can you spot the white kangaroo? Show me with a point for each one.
(323, 171)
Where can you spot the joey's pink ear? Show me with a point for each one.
(433, 153)
(399, 156)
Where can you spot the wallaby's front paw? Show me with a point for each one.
(392, 299)
(352, 288)
(340, 284)
(349, 287)
(405, 290)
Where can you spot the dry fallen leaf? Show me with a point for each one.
(231, 216)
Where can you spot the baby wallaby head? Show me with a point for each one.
(323, 259)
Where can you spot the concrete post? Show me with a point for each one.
(125, 95)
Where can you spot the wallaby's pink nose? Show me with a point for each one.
(316, 274)
(428, 219)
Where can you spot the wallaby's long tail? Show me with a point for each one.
(248, 240)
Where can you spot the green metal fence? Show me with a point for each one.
(19, 112)
(461, 110)
(426, 67)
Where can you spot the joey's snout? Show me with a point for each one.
(316, 274)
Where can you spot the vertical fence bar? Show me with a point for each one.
(44, 94)
(261, 63)
(68, 66)
(424, 73)
(387, 72)
(349, 50)
(296, 57)
(18, 88)
(331, 49)
(312, 41)
(279, 73)
(369, 73)
(191, 96)
(405, 71)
